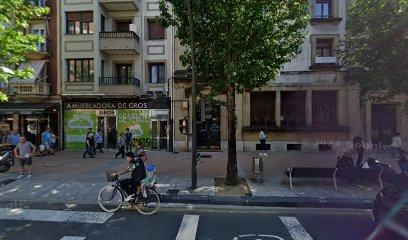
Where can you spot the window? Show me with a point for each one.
(80, 70)
(157, 73)
(40, 32)
(80, 23)
(324, 48)
(125, 73)
(293, 108)
(39, 3)
(123, 26)
(155, 30)
(324, 108)
(102, 23)
(263, 109)
(323, 9)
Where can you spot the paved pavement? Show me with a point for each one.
(68, 178)
(184, 222)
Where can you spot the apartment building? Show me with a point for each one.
(33, 103)
(310, 107)
(115, 62)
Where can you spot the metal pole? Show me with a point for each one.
(193, 96)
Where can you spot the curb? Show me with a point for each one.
(302, 202)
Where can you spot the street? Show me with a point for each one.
(205, 222)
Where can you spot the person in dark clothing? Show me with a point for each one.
(138, 173)
(121, 146)
(128, 140)
(90, 146)
(358, 146)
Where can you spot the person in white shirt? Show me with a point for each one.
(396, 145)
(262, 139)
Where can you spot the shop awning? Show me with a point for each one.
(27, 108)
(37, 65)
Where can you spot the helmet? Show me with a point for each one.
(150, 168)
(130, 154)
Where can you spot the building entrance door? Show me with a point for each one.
(159, 130)
(382, 124)
(209, 128)
(108, 127)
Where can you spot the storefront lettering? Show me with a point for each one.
(107, 105)
(134, 117)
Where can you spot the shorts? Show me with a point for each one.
(26, 161)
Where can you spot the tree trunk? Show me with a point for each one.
(232, 170)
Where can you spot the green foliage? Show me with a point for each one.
(377, 40)
(238, 42)
(16, 15)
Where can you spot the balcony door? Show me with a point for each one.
(123, 26)
(125, 73)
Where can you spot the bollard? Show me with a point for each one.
(257, 169)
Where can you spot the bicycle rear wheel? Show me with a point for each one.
(150, 204)
(110, 198)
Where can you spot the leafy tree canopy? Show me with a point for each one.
(238, 42)
(16, 15)
(377, 40)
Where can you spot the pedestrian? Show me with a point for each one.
(23, 151)
(90, 143)
(93, 134)
(128, 140)
(121, 145)
(139, 150)
(53, 142)
(396, 145)
(13, 138)
(262, 139)
(46, 140)
(358, 146)
(99, 140)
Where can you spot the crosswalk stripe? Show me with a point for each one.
(295, 229)
(53, 215)
(72, 238)
(188, 227)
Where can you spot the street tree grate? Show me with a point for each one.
(173, 191)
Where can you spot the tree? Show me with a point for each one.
(15, 16)
(377, 41)
(240, 45)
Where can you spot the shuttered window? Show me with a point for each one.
(324, 108)
(293, 108)
(155, 30)
(263, 108)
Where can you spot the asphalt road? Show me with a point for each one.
(183, 222)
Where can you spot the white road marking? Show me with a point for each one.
(72, 238)
(53, 215)
(295, 229)
(188, 227)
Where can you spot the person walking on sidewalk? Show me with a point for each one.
(99, 140)
(46, 140)
(396, 145)
(358, 147)
(128, 140)
(262, 139)
(140, 149)
(13, 138)
(23, 151)
(90, 143)
(121, 145)
(90, 132)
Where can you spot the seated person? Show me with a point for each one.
(137, 168)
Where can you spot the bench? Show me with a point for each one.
(333, 173)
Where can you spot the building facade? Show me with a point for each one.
(312, 106)
(115, 61)
(33, 103)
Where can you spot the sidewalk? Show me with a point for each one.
(68, 178)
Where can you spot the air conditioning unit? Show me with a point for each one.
(326, 60)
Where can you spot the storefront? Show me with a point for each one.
(147, 120)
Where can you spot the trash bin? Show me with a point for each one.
(257, 169)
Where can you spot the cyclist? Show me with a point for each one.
(138, 170)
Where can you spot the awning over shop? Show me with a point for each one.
(27, 108)
(37, 65)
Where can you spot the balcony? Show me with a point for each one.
(120, 5)
(30, 89)
(42, 53)
(124, 43)
(325, 19)
(119, 86)
(325, 64)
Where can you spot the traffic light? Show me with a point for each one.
(183, 126)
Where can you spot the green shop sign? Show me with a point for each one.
(138, 123)
(76, 127)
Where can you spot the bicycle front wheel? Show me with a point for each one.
(150, 204)
(110, 198)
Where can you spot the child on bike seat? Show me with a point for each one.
(138, 173)
(149, 180)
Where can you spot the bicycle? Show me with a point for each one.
(112, 197)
